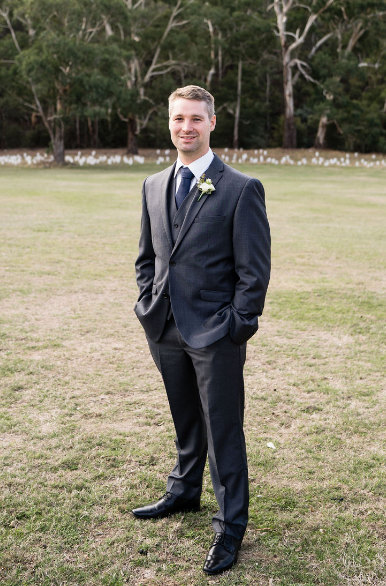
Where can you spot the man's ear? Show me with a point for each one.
(213, 123)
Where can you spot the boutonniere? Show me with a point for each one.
(205, 186)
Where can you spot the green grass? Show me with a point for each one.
(86, 433)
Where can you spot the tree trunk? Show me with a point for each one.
(267, 97)
(58, 143)
(212, 70)
(96, 132)
(90, 131)
(132, 143)
(289, 138)
(77, 132)
(320, 139)
(220, 58)
(238, 103)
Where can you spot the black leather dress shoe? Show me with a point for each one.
(167, 505)
(222, 554)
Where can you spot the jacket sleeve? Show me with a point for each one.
(252, 254)
(145, 263)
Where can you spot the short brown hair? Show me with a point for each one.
(193, 92)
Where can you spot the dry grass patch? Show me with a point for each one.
(86, 432)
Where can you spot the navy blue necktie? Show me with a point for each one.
(184, 188)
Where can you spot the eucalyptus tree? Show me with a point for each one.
(62, 53)
(232, 43)
(294, 22)
(12, 91)
(154, 44)
(351, 71)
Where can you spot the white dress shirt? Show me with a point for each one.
(198, 167)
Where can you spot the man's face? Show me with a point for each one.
(190, 128)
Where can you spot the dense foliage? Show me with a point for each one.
(97, 73)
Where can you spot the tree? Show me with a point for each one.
(352, 59)
(148, 52)
(236, 35)
(287, 15)
(57, 55)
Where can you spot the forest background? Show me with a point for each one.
(97, 73)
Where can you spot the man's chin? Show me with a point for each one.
(189, 145)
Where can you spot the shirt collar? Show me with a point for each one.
(199, 166)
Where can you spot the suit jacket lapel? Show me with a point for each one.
(215, 173)
(164, 201)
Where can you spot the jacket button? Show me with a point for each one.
(176, 225)
(172, 263)
(165, 295)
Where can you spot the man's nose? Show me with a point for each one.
(187, 126)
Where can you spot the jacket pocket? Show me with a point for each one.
(211, 219)
(216, 295)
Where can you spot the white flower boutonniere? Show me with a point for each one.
(205, 186)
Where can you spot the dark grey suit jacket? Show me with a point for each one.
(217, 272)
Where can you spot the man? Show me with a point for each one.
(203, 271)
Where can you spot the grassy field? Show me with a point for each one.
(86, 433)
